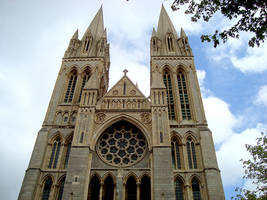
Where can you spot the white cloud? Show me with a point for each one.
(254, 61)
(220, 119)
(232, 150)
(261, 97)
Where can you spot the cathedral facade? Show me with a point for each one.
(117, 144)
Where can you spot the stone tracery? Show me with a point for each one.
(122, 144)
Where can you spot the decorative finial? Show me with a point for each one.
(125, 72)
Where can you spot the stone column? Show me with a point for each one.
(101, 191)
(138, 191)
(187, 193)
(119, 186)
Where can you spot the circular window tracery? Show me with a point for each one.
(122, 144)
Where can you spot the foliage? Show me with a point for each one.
(251, 16)
(255, 170)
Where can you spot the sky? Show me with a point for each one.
(35, 34)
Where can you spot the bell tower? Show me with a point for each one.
(84, 70)
(185, 134)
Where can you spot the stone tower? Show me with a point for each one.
(118, 144)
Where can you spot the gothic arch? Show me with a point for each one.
(118, 118)
(60, 187)
(182, 67)
(197, 188)
(191, 134)
(181, 178)
(54, 136)
(179, 188)
(97, 175)
(71, 69)
(197, 177)
(45, 193)
(176, 135)
(131, 174)
(43, 179)
(168, 67)
(109, 174)
(144, 174)
(86, 67)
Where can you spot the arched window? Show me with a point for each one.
(60, 189)
(168, 83)
(176, 154)
(169, 40)
(108, 189)
(67, 155)
(191, 154)
(184, 97)
(85, 78)
(154, 43)
(179, 189)
(87, 43)
(71, 87)
(131, 189)
(196, 189)
(47, 188)
(94, 187)
(145, 188)
(55, 153)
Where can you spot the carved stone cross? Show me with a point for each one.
(125, 72)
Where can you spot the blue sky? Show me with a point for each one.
(34, 36)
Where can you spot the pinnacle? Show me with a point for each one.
(182, 34)
(75, 35)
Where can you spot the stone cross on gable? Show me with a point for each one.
(125, 72)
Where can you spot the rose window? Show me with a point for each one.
(122, 144)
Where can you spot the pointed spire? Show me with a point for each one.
(154, 34)
(75, 35)
(182, 34)
(165, 25)
(96, 28)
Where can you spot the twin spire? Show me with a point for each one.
(165, 25)
(96, 28)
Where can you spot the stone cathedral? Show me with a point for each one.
(117, 144)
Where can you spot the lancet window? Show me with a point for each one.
(55, 153)
(60, 189)
(71, 87)
(47, 188)
(87, 44)
(191, 154)
(196, 189)
(85, 78)
(94, 188)
(184, 97)
(154, 43)
(179, 190)
(176, 154)
(169, 40)
(168, 83)
(67, 155)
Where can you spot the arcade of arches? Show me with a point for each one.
(106, 190)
